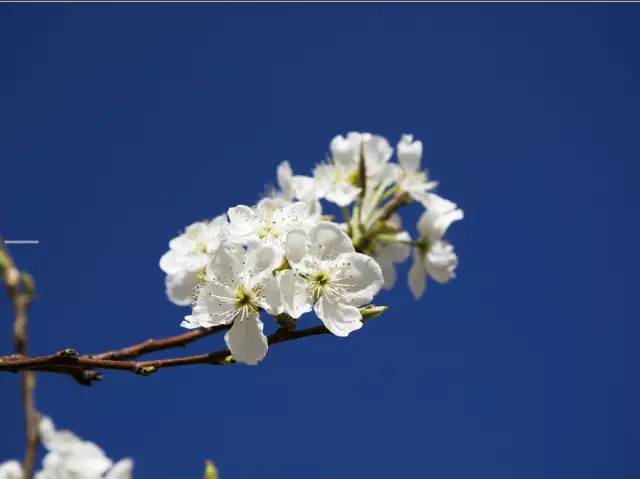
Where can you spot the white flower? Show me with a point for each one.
(187, 255)
(337, 181)
(234, 295)
(328, 273)
(393, 250)
(412, 179)
(11, 470)
(437, 258)
(298, 187)
(70, 457)
(267, 223)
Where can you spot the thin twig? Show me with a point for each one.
(152, 345)
(20, 290)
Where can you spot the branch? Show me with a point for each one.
(69, 361)
(152, 345)
(20, 289)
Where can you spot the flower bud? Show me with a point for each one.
(371, 311)
(210, 471)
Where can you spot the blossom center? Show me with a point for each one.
(246, 299)
(322, 283)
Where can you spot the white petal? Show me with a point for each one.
(245, 339)
(270, 298)
(121, 470)
(395, 252)
(295, 294)
(341, 319)
(314, 212)
(226, 265)
(180, 287)
(409, 153)
(342, 194)
(194, 261)
(289, 218)
(388, 272)
(216, 301)
(183, 244)
(323, 174)
(417, 276)
(285, 177)
(304, 188)
(438, 204)
(328, 241)
(296, 246)
(346, 151)
(46, 431)
(170, 262)
(441, 261)
(87, 460)
(377, 153)
(260, 262)
(433, 223)
(11, 470)
(266, 207)
(195, 321)
(243, 221)
(362, 276)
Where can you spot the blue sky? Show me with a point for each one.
(121, 124)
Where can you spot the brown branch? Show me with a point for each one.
(152, 345)
(59, 362)
(20, 289)
(69, 361)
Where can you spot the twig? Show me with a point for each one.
(152, 345)
(20, 289)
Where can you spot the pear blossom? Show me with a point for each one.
(233, 295)
(280, 257)
(11, 470)
(337, 181)
(328, 273)
(298, 187)
(266, 223)
(412, 179)
(188, 255)
(436, 258)
(69, 457)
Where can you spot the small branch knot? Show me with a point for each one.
(146, 370)
(69, 353)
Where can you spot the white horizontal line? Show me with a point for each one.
(22, 242)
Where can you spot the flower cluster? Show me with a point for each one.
(69, 456)
(285, 257)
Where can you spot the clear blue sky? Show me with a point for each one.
(121, 124)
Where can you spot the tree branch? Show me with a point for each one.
(20, 290)
(152, 345)
(69, 361)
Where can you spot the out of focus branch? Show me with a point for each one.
(20, 290)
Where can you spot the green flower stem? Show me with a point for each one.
(393, 239)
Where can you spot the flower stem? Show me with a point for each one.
(392, 239)
(398, 201)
